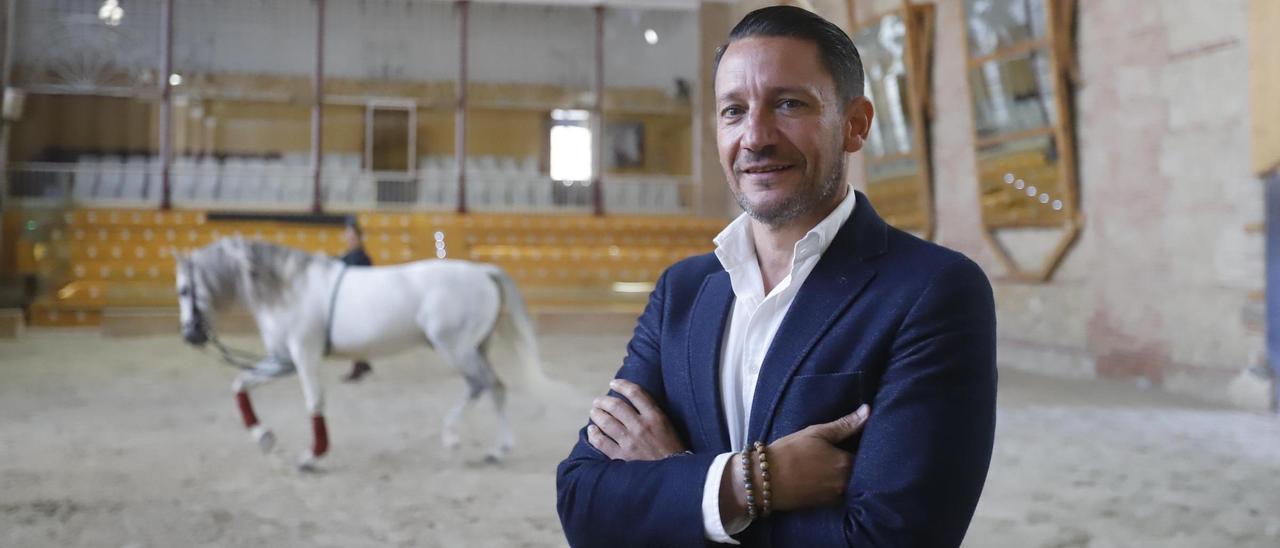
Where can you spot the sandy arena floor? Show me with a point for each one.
(135, 442)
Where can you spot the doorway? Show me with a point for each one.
(390, 142)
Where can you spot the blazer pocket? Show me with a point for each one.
(815, 399)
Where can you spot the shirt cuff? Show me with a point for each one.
(714, 527)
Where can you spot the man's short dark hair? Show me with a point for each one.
(839, 56)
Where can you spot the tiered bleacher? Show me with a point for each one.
(494, 183)
(102, 258)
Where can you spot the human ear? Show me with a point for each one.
(856, 124)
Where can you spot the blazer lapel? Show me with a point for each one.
(711, 310)
(835, 283)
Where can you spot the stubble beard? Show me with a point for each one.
(806, 199)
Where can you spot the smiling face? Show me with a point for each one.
(780, 128)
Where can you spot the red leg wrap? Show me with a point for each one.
(246, 409)
(321, 435)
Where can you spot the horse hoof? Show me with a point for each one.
(265, 438)
(497, 456)
(308, 462)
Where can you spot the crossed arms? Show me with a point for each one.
(915, 481)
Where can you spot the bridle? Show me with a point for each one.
(239, 359)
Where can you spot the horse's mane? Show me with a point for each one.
(257, 272)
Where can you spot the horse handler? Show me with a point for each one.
(355, 256)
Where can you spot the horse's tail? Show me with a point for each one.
(516, 325)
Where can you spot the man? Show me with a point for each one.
(810, 309)
(355, 256)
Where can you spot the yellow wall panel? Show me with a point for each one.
(1264, 75)
(113, 125)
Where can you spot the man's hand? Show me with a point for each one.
(806, 469)
(623, 432)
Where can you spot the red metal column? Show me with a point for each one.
(317, 114)
(166, 101)
(597, 118)
(460, 115)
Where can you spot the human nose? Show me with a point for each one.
(760, 131)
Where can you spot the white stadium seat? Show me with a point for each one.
(111, 177)
(88, 171)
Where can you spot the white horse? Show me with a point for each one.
(308, 307)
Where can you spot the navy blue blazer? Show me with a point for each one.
(885, 318)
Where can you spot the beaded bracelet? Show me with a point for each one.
(746, 481)
(766, 489)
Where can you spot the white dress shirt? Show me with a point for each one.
(749, 333)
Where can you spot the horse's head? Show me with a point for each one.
(193, 301)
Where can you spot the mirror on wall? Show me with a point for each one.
(896, 53)
(1021, 66)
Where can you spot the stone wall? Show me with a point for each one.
(1160, 285)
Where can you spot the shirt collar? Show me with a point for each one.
(735, 246)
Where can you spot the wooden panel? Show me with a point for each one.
(897, 200)
(48, 314)
(1264, 75)
(67, 123)
(1009, 204)
(11, 323)
(272, 118)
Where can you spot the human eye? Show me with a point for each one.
(791, 104)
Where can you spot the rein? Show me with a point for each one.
(243, 359)
(333, 301)
(233, 357)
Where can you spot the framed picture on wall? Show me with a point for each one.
(625, 145)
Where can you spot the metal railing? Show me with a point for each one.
(264, 185)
